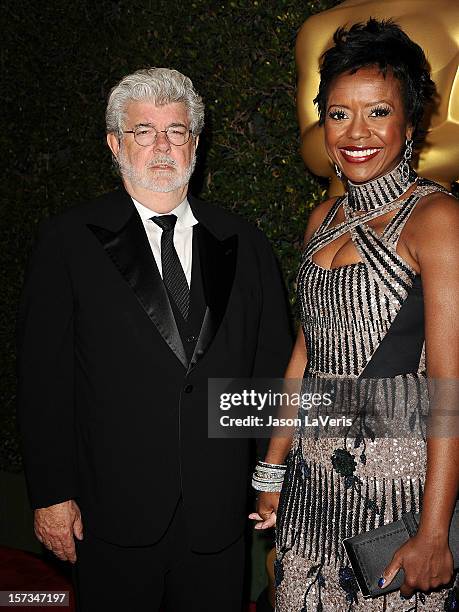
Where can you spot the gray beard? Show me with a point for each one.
(147, 181)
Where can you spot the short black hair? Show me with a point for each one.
(385, 45)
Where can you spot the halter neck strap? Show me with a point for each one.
(380, 191)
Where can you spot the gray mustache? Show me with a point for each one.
(161, 160)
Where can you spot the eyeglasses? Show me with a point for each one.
(145, 135)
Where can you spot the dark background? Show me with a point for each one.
(58, 63)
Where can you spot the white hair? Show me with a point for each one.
(158, 85)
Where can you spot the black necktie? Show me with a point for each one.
(173, 275)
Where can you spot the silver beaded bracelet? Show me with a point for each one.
(268, 477)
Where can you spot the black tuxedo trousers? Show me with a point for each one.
(112, 409)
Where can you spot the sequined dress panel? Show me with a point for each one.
(334, 487)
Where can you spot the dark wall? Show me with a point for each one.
(60, 59)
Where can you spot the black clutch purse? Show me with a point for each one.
(371, 551)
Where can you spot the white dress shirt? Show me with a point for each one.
(183, 234)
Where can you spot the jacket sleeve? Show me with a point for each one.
(45, 373)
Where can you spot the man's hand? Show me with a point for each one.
(55, 527)
(266, 510)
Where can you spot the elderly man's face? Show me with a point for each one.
(161, 166)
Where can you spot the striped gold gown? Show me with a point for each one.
(363, 320)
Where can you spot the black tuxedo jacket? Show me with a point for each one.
(112, 413)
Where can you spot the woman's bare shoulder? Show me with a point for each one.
(434, 227)
(317, 215)
(436, 209)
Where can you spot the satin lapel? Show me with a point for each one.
(218, 266)
(130, 252)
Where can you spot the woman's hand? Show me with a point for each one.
(266, 510)
(426, 561)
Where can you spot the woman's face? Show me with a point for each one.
(365, 124)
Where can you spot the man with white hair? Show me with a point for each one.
(131, 303)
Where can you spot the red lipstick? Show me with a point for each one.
(359, 155)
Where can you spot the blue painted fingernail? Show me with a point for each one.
(381, 582)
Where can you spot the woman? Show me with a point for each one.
(378, 289)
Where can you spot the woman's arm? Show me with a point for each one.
(280, 444)
(426, 558)
(438, 256)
